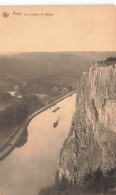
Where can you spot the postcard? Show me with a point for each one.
(58, 100)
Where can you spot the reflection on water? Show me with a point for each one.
(31, 167)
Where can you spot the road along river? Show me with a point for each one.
(28, 169)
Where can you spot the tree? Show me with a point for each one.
(70, 88)
(4, 96)
(55, 91)
(20, 112)
(65, 90)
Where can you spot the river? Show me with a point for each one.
(28, 169)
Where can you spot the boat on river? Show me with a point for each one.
(55, 124)
(56, 109)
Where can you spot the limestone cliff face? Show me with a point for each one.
(91, 143)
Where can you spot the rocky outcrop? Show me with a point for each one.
(89, 152)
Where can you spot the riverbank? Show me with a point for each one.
(19, 130)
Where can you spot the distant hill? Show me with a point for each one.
(46, 68)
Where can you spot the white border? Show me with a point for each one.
(55, 2)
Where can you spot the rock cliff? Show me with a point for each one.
(88, 154)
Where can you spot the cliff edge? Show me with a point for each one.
(88, 156)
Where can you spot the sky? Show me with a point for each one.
(60, 28)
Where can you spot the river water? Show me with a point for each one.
(32, 167)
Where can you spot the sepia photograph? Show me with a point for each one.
(58, 100)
